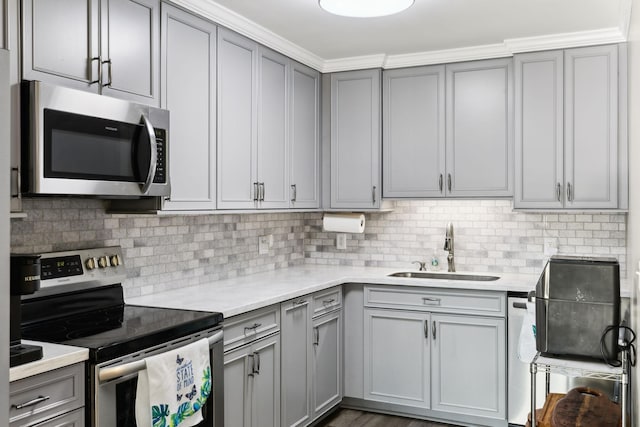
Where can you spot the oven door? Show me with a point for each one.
(87, 144)
(114, 384)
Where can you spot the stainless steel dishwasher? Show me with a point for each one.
(519, 380)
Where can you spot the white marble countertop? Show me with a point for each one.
(54, 356)
(246, 293)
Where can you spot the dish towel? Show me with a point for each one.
(174, 387)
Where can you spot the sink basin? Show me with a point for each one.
(444, 276)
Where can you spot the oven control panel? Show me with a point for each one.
(81, 268)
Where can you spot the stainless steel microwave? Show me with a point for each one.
(80, 143)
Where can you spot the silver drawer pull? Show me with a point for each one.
(329, 301)
(32, 402)
(431, 301)
(300, 302)
(254, 327)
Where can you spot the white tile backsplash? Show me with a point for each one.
(165, 252)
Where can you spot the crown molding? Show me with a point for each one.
(238, 23)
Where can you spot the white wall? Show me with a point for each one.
(633, 220)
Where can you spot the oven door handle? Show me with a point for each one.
(153, 148)
(106, 374)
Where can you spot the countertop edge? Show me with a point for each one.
(55, 356)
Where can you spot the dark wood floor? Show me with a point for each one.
(352, 418)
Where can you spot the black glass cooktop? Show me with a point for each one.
(107, 330)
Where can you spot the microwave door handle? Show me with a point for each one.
(153, 147)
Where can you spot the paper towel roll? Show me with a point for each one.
(343, 222)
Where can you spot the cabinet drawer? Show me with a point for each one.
(248, 327)
(327, 300)
(488, 303)
(52, 393)
(72, 419)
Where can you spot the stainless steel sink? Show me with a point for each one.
(444, 276)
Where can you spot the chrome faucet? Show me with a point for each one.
(448, 246)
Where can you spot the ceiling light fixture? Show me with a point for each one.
(364, 8)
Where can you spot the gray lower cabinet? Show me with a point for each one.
(252, 384)
(311, 356)
(413, 136)
(54, 398)
(571, 151)
(356, 139)
(479, 128)
(105, 46)
(397, 365)
(429, 352)
(189, 93)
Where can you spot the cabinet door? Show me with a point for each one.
(237, 391)
(355, 139)
(273, 148)
(189, 49)
(413, 139)
(130, 38)
(469, 365)
(539, 125)
(296, 358)
(71, 419)
(396, 357)
(479, 128)
(237, 115)
(265, 402)
(4, 41)
(304, 140)
(327, 362)
(591, 127)
(60, 42)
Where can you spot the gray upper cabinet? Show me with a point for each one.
(568, 151)
(414, 137)
(479, 158)
(355, 139)
(591, 127)
(304, 140)
(273, 148)
(237, 121)
(539, 149)
(189, 93)
(104, 46)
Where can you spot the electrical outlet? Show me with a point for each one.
(341, 241)
(263, 245)
(550, 246)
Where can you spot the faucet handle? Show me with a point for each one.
(422, 265)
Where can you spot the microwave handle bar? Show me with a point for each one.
(106, 374)
(153, 146)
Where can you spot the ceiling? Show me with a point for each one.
(431, 31)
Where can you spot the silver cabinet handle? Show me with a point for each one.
(108, 84)
(426, 329)
(261, 191)
(433, 331)
(558, 191)
(257, 360)
(449, 182)
(520, 305)
(569, 192)
(316, 332)
(99, 59)
(153, 149)
(256, 196)
(31, 402)
(253, 327)
(253, 365)
(431, 301)
(18, 193)
(295, 192)
(328, 301)
(300, 302)
(373, 194)
(440, 182)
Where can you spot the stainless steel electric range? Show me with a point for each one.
(81, 303)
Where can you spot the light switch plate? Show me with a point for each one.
(550, 246)
(341, 241)
(263, 245)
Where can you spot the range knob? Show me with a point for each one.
(90, 263)
(103, 262)
(115, 260)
